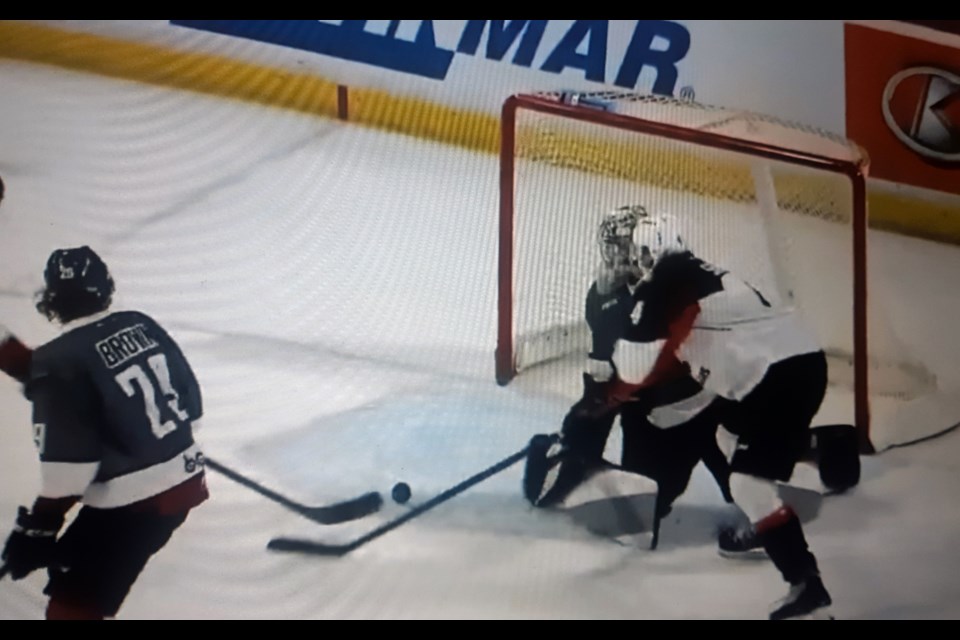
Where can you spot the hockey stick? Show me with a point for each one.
(319, 548)
(362, 505)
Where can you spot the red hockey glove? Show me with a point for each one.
(14, 357)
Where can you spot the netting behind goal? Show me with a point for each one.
(780, 204)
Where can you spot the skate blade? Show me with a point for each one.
(823, 613)
(753, 554)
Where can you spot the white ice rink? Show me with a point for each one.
(335, 288)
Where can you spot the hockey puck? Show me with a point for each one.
(401, 492)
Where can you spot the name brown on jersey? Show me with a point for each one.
(119, 347)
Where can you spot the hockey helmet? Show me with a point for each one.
(655, 236)
(77, 283)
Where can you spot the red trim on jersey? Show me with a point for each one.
(179, 499)
(667, 365)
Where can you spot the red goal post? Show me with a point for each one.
(678, 147)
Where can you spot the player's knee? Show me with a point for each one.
(757, 497)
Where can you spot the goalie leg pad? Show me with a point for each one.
(586, 435)
(553, 471)
(538, 465)
(557, 463)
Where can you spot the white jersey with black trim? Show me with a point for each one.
(735, 334)
(735, 338)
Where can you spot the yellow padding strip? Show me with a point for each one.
(914, 216)
(217, 75)
(423, 119)
(200, 72)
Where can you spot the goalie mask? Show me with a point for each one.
(77, 284)
(618, 253)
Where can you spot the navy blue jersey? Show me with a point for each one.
(114, 397)
(608, 316)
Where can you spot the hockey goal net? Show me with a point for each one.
(781, 204)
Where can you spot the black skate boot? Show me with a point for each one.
(740, 543)
(807, 600)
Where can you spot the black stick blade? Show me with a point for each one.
(351, 509)
(321, 549)
(345, 511)
(297, 545)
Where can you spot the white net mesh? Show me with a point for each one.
(759, 210)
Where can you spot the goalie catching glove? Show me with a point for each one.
(602, 398)
(32, 543)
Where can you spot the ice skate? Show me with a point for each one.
(808, 600)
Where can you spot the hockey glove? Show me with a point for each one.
(14, 357)
(592, 400)
(606, 399)
(31, 544)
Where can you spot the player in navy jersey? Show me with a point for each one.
(768, 374)
(665, 430)
(115, 405)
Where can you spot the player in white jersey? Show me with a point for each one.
(768, 373)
